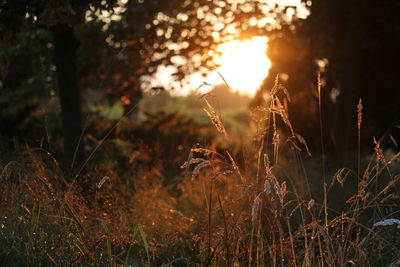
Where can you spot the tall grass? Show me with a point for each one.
(236, 201)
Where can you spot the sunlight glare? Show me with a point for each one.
(244, 64)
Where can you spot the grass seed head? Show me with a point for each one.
(359, 114)
(255, 207)
(102, 181)
(214, 118)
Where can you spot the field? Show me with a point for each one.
(191, 187)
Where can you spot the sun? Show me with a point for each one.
(244, 64)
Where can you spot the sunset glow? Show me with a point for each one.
(244, 64)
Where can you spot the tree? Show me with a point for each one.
(148, 33)
(184, 34)
(362, 63)
(60, 18)
(353, 45)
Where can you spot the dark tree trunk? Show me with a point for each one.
(65, 53)
(345, 125)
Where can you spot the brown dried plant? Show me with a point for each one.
(214, 118)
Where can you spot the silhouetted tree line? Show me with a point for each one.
(74, 45)
(354, 45)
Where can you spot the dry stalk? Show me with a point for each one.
(214, 118)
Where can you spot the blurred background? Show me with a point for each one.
(102, 102)
(67, 63)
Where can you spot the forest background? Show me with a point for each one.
(93, 141)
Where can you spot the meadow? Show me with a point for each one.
(203, 188)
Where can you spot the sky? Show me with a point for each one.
(244, 65)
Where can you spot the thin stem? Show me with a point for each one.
(209, 223)
(226, 232)
(321, 127)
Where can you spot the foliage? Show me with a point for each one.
(249, 202)
(348, 43)
(113, 46)
(172, 189)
